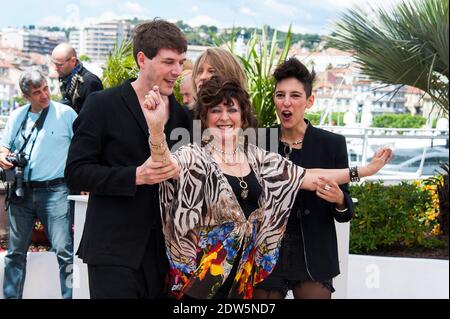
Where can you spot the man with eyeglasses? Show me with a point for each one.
(75, 81)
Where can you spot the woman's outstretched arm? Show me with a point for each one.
(342, 176)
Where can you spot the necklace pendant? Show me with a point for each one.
(287, 150)
(244, 188)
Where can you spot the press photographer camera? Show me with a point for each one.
(33, 152)
(14, 175)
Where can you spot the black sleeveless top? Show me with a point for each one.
(248, 205)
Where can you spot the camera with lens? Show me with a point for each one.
(14, 175)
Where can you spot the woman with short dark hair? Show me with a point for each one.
(308, 256)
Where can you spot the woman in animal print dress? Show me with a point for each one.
(225, 215)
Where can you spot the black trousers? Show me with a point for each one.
(120, 282)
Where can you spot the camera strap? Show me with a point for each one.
(37, 125)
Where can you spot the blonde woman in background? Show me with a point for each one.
(217, 61)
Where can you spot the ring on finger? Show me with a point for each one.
(327, 187)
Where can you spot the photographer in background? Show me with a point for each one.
(76, 83)
(32, 159)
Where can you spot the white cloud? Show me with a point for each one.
(341, 4)
(94, 3)
(307, 16)
(127, 10)
(280, 8)
(248, 12)
(52, 21)
(202, 20)
(72, 15)
(133, 8)
(195, 9)
(69, 19)
(345, 4)
(105, 16)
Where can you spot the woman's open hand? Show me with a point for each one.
(379, 159)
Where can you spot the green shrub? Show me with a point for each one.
(440, 181)
(176, 90)
(315, 118)
(402, 215)
(398, 121)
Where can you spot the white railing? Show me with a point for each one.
(362, 142)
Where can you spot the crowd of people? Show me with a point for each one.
(170, 215)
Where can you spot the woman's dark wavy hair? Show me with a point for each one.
(218, 90)
(293, 68)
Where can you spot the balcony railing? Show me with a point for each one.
(417, 152)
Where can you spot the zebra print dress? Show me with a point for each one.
(204, 226)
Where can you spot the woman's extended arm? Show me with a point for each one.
(342, 176)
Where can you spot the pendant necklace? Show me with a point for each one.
(243, 185)
(288, 147)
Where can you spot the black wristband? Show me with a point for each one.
(354, 174)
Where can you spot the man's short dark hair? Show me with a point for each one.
(150, 37)
(293, 68)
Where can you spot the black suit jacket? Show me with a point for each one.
(110, 141)
(315, 216)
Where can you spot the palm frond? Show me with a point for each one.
(120, 65)
(258, 62)
(408, 46)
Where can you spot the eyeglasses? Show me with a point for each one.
(59, 64)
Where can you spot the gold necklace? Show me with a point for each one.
(288, 147)
(243, 185)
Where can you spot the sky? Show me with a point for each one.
(306, 16)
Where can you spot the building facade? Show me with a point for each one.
(31, 41)
(97, 41)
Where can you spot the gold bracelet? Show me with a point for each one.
(155, 135)
(157, 153)
(160, 145)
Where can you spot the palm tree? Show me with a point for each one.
(408, 46)
(120, 65)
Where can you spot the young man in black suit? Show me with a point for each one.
(122, 242)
